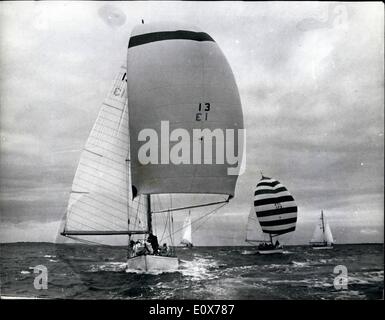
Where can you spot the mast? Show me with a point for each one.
(322, 219)
(149, 216)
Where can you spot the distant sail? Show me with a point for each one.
(100, 198)
(176, 72)
(275, 207)
(187, 237)
(253, 229)
(322, 232)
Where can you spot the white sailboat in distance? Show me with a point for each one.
(322, 236)
(274, 212)
(187, 237)
(176, 77)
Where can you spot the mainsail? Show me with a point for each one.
(187, 237)
(275, 207)
(100, 198)
(322, 232)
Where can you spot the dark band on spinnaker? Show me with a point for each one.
(281, 231)
(267, 213)
(168, 35)
(278, 222)
(273, 200)
(268, 184)
(266, 191)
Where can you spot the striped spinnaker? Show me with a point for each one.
(275, 207)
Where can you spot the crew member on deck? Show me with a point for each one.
(131, 252)
(164, 251)
(154, 242)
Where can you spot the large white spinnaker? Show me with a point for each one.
(179, 79)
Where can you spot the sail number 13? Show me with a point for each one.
(203, 111)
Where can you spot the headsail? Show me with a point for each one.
(179, 79)
(275, 207)
(187, 237)
(322, 232)
(100, 198)
(253, 229)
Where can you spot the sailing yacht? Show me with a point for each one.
(274, 213)
(187, 238)
(176, 80)
(322, 236)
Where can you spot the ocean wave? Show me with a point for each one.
(366, 277)
(199, 269)
(249, 252)
(109, 266)
(297, 264)
(350, 294)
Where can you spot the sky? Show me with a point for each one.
(310, 77)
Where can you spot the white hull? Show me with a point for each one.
(152, 263)
(272, 251)
(323, 248)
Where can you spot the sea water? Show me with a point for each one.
(93, 272)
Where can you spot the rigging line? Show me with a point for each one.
(160, 205)
(210, 212)
(137, 210)
(165, 228)
(93, 242)
(193, 206)
(208, 217)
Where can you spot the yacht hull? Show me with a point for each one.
(271, 251)
(323, 248)
(146, 263)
